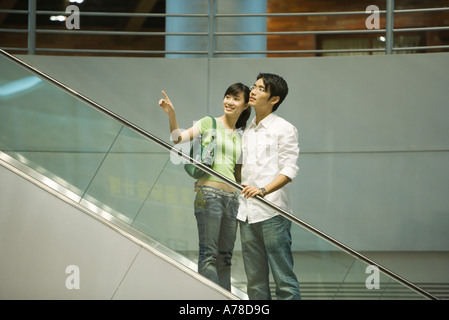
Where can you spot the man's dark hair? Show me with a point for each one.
(276, 85)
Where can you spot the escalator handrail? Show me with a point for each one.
(187, 157)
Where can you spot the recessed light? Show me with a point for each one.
(58, 18)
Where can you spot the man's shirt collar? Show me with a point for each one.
(265, 121)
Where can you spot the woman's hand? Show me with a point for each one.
(166, 104)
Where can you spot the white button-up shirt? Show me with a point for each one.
(269, 148)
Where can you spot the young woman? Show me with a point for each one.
(216, 203)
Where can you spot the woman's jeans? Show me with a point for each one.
(268, 244)
(215, 212)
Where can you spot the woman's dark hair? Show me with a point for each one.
(235, 89)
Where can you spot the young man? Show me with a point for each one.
(270, 152)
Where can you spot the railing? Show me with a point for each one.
(213, 37)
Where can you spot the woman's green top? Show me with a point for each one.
(229, 148)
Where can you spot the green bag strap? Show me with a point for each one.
(214, 128)
(234, 150)
(214, 123)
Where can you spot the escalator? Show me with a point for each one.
(127, 180)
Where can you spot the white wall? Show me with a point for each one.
(41, 236)
(373, 131)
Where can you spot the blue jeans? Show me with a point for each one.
(268, 244)
(215, 212)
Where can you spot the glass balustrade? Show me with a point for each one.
(125, 175)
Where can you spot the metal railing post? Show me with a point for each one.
(31, 26)
(211, 35)
(389, 27)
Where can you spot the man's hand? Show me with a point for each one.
(251, 191)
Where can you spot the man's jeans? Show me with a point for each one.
(215, 212)
(268, 244)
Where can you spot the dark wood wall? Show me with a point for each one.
(274, 42)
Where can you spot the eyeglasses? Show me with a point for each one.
(260, 89)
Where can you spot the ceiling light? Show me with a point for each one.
(58, 18)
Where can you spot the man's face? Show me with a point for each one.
(258, 94)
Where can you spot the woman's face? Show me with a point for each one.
(234, 104)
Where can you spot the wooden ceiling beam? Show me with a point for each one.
(143, 6)
(7, 5)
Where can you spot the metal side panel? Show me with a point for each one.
(50, 249)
